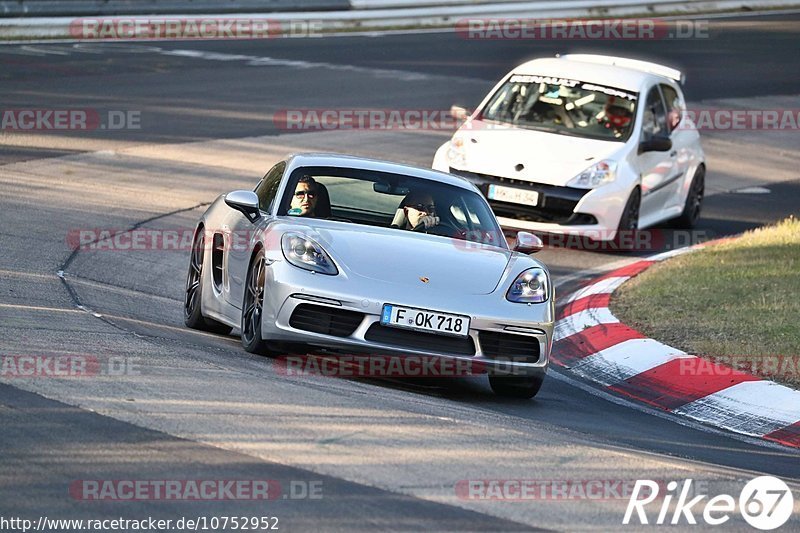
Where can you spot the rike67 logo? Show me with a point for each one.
(765, 503)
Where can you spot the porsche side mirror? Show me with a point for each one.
(527, 243)
(655, 144)
(459, 113)
(244, 201)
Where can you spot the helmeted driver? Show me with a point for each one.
(616, 115)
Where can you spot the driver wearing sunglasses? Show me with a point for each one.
(304, 200)
(419, 212)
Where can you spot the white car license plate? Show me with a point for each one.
(515, 196)
(421, 320)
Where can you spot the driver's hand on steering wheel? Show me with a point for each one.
(428, 221)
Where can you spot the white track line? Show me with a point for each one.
(625, 360)
(582, 320)
(681, 421)
(752, 407)
(604, 286)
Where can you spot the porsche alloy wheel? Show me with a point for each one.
(253, 307)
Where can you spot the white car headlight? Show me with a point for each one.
(457, 154)
(598, 174)
(304, 253)
(532, 286)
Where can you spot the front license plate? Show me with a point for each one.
(421, 320)
(515, 196)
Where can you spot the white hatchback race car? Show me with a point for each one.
(582, 145)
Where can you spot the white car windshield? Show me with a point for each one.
(566, 106)
(391, 201)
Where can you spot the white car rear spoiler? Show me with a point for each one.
(644, 66)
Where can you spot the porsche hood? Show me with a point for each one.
(404, 258)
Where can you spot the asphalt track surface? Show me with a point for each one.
(387, 452)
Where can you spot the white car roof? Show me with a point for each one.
(617, 72)
(313, 159)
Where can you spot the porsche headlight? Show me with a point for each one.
(598, 174)
(307, 254)
(457, 154)
(532, 286)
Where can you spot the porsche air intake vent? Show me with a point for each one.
(518, 348)
(325, 320)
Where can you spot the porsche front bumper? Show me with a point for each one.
(343, 314)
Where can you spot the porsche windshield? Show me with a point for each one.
(392, 201)
(560, 105)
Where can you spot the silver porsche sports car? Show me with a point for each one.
(348, 255)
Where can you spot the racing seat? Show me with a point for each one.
(323, 207)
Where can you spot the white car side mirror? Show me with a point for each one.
(459, 113)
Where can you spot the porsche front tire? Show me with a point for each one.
(524, 387)
(253, 307)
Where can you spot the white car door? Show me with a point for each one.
(659, 169)
(684, 143)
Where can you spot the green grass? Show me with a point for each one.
(736, 302)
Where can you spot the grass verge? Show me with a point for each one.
(737, 302)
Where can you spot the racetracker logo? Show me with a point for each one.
(626, 240)
(770, 366)
(544, 489)
(175, 490)
(61, 120)
(194, 489)
(741, 120)
(178, 28)
(365, 119)
(378, 366)
(594, 240)
(66, 366)
(580, 29)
